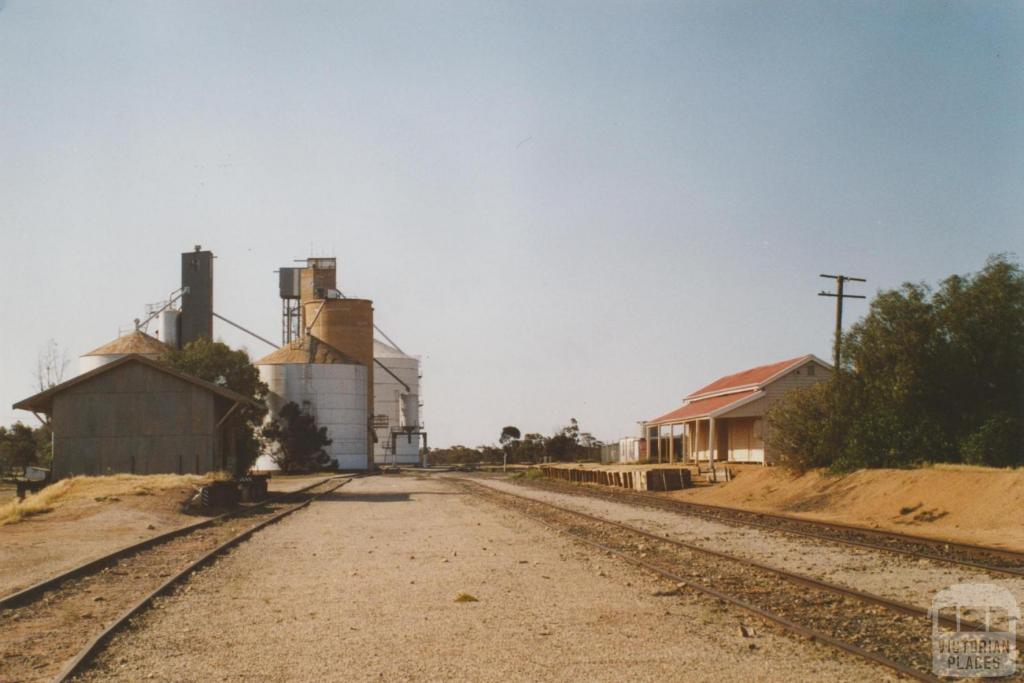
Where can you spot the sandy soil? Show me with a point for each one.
(79, 530)
(363, 586)
(886, 574)
(966, 504)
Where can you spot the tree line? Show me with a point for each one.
(566, 444)
(926, 376)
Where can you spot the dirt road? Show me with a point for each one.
(363, 585)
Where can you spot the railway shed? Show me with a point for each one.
(723, 421)
(139, 416)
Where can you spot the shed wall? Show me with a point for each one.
(134, 419)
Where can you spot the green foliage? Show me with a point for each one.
(567, 444)
(993, 443)
(802, 427)
(218, 363)
(18, 446)
(299, 440)
(508, 434)
(925, 378)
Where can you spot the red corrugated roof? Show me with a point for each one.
(703, 407)
(748, 378)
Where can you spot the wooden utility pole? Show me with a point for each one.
(839, 296)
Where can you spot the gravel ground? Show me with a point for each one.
(886, 574)
(362, 585)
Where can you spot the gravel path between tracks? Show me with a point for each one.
(362, 585)
(889, 575)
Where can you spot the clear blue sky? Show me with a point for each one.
(567, 208)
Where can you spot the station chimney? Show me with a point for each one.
(196, 318)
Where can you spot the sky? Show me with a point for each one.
(567, 209)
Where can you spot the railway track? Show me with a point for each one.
(985, 558)
(51, 630)
(892, 634)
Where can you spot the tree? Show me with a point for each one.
(17, 446)
(509, 439)
(533, 447)
(216, 362)
(300, 442)
(925, 377)
(51, 364)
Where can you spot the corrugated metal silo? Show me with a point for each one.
(346, 325)
(329, 385)
(167, 324)
(396, 394)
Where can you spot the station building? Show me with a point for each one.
(724, 420)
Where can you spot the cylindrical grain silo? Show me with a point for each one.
(327, 384)
(346, 325)
(167, 326)
(133, 342)
(396, 389)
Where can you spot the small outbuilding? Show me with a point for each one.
(136, 415)
(723, 421)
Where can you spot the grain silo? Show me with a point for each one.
(135, 341)
(396, 394)
(347, 325)
(327, 384)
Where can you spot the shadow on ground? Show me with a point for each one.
(342, 497)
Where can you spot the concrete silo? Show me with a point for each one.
(135, 341)
(396, 391)
(327, 384)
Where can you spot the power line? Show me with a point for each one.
(839, 296)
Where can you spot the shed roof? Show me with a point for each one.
(41, 402)
(707, 406)
(754, 377)
(728, 392)
(308, 349)
(135, 341)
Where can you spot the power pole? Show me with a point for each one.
(839, 296)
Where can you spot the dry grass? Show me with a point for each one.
(67, 491)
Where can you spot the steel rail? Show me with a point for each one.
(799, 579)
(33, 592)
(750, 518)
(789, 576)
(86, 654)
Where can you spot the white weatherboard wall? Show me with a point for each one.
(335, 394)
(401, 405)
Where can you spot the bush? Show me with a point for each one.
(300, 443)
(801, 428)
(997, 443)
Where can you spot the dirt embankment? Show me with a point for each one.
(958, 503)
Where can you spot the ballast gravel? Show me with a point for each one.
(907, 579)
(365, 585)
